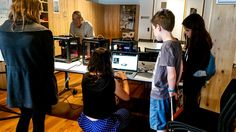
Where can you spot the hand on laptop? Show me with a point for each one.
(121, 75)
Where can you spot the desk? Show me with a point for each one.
(151, 45)
(78, 67)
(65, 67)
(144, 45)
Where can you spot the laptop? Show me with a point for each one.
(127, 62)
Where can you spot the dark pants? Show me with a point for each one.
(192, 90)
(38, 118)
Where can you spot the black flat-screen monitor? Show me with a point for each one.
(90, 44)
(70, 48)
(122, 45)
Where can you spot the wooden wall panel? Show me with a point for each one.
(222, 30)
(59, 22)
(112, 21)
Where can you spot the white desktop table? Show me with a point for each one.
(78, 67)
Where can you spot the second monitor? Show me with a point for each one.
(90, 44)
(123, 45)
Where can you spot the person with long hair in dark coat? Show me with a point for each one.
(196, 59)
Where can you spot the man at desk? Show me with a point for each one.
(79, 27)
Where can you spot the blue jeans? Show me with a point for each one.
(159, 113)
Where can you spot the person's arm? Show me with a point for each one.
(171, 78)
(89, 30)
(71, 29)
(122, 86)
(180, 72)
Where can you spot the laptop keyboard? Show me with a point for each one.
(130, 74)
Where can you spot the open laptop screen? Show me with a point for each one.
(125, 61)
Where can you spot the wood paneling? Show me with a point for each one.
(222, 30)
(59, 22)
(112, 21)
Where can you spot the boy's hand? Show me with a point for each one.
(171, 94)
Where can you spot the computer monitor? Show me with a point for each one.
(125, 61)
(90, 44)
(124, 45)
(70, 48)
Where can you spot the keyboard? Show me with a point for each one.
(130, 74)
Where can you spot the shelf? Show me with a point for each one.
(127, 18)
(44, 13)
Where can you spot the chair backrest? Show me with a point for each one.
(230, 89)
(151, 50)
(227, 118)
(226, 122)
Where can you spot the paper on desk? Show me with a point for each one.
(79, 69)
(65, 66)
(144, 77)
(1, 57)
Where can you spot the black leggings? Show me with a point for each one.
(38, 118)
(192, 89)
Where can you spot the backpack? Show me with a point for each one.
(211, 68)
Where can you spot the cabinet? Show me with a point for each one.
(127, 20)
(44, 13)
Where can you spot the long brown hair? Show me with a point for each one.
(200, 36)
(100, 62)
(25, 11)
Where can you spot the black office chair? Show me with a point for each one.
(226, 118)
(151, 54)
(151, 50)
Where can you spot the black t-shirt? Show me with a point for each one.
(98, 96)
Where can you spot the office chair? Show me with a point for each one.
(226, 118)
(228, 115)
(151, 54)
(151, 50)
(228, 108)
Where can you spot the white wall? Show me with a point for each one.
(145, 16)
(148, 10)
(177, 7)
(197, 4)
(207, 13)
